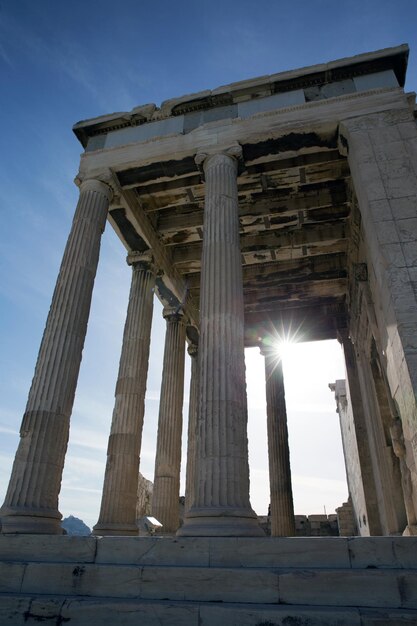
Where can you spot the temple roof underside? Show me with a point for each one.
(294, 187)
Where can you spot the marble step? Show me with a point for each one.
(25, 610)
(386, 588)
(294, 552)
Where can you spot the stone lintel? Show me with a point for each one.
(389, 58)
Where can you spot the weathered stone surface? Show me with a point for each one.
(96, 611)
(221, 505)
(83, 580)
(281, 500)
(239, 615)
(145, 489)
(192, 427)
(210, 584)
(118, 513)
(11, 576)
(154, 551)
(31, 503)
(129, 613)
(166, 486)
(394, 552)
(340, 588)
(211, 581)
(279, 552)
(63, 548)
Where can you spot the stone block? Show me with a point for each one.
(405, 551)
(276, 101)
(238, 615)
(408, 130)
(377, 80)
(392, 254)
(375, 189)
(90, 580)
(153, 550)
(97, 612)
(364, 150)
(409, 250)
(160, 128)
(407, 229)
(403, 208)
(384, 135)
(388, 617)
(400, 186)
(407, 585)
(44, 609)
(15, 610)
(11, 576)
(382, 552)
(198, 118)
(386, 232)
(213, 584)
(329, 90)
(380, 210)
(279, 552)
(54, 548)
(340, 588)
(390, 151)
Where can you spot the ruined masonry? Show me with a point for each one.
(280, 202)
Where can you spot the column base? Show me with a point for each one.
(410, 531)
(30, 524)
(114, 530)
(219, 524)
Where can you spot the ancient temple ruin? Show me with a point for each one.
(282, 201)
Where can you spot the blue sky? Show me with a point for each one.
(62, 62)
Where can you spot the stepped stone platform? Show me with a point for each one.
(323, 581)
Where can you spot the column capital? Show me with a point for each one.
(265, 346)
(141, 260)
(231, 154)
(193, 350)
(95, 184)
(173, 314)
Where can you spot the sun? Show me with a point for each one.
(280, 342)
(283, 347)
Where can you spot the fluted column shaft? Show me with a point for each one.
(166, 488)
(31, 504)
(282, 507)
(192, 427)
(118, 504)
(221, 505)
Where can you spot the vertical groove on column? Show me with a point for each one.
(282, 508)
(165, 497)
(223, 392)
(192, 426)
(31, 503)
(221, 505)
(118, 505)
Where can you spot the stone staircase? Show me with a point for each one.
(150, 581)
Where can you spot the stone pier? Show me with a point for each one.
(118, 505)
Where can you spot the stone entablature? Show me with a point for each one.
(381, 69)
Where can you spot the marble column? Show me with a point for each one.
(221, 505)
(31, 504)
(282, 507)
(192, 426)
(119, 499)
(166, 487)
